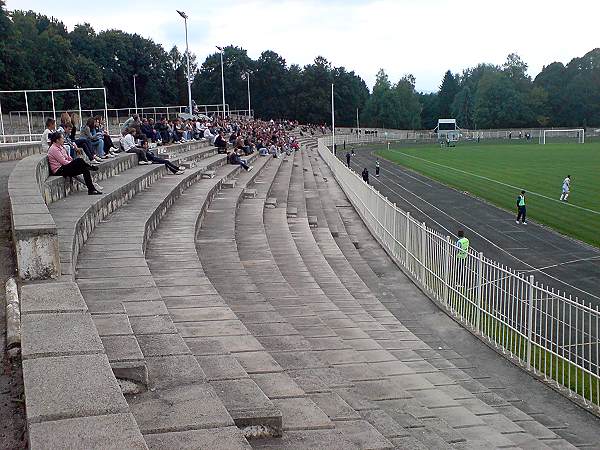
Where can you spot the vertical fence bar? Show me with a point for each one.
(407, 239)
(423, 238)
(2, 123)
(28, 118)
(479, 278)
(53, 106)
(529, 320)
(105, 110)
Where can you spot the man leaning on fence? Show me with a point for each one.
(462, 245)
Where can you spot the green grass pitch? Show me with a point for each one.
(497, 172)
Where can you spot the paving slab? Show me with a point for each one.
(179, 409)
(109, 432)
(301, 414)
(225, 438)
(363, 434)
(71, 386)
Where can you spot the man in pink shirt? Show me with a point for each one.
(61, 163)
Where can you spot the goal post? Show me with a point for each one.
(577, 134)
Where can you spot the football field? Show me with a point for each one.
(497, 172)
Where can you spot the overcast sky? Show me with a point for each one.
(422, 37)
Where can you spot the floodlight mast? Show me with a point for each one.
(221, 50)
(187, 50)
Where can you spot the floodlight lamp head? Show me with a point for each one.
(220, 48)
(182, 14)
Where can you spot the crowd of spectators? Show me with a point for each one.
(74, 156)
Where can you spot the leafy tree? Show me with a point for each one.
(463, 108)
(499, 103)
(448, 90)
(430, 110)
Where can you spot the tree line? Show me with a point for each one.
(38, 52)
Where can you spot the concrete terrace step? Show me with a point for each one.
(519, 432)
(298, 353)
(136, 328)
(209, 328)
(299, 411)
(384, 358)
(76, 216)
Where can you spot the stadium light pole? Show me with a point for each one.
(246, 76)
(135, 93)
(187, 50)
(333, 118)
(222, 79)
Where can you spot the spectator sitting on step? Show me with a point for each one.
(148, 130)
(178, 132)
(108, 142)
(50, 128)
(176, 170)
(162, 129)
(94, 139)
(235, 158)
(61, 163)
(133, 121)
(129, 145)
(221, 143)
(209, 135)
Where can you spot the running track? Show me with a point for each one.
(554, 260)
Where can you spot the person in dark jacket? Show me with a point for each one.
(348, 159)
(221, 143)
(148, 130)
(365, 175)
(162, 130)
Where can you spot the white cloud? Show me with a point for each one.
(424, 38)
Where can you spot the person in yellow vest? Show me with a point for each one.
(522, 210)
(463, 245)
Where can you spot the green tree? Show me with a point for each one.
(463, 108)
(430, 110)
(448, 90)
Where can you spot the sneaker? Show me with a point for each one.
(97, 158)
(98, 187)
(179, 172)
(524, 223)
(144, 163)
(181, 169)
(111, 155)
(517, 222)
(250, 168)
(94, 192)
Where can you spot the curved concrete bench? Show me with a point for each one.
(19, 150)
(31, 189)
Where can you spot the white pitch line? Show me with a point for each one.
(593, 211)
(565, 263)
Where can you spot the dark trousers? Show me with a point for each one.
(77, 167)
(168, 164)
(522, 215)
(348, 161)
(87, 148)
(377, 171)
(108, 143)
(140, 152)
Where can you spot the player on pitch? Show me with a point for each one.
(566, 187)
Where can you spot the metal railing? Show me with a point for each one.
(546, 331)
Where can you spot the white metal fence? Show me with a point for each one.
(546, 331)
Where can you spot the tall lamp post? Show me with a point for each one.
(333, 118)
(246, 76)
(187, 50)
(135, 92)
(222, 79)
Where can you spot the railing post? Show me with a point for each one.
(423, 252)
(529, 320)
(479, 290)
(393, 234)
(447, 257)
(407, 239)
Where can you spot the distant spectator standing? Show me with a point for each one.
(348, 156)
(522, 209)
(365, 175)
(376, 167)
(463, 245)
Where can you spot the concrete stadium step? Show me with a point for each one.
(137, 331)
(332, 195)
(298, 351)
(301, 415)
(209, 328)
(326, 286)
(77, 215)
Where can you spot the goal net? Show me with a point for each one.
(561, 136)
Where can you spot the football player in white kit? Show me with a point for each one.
(566, 187)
